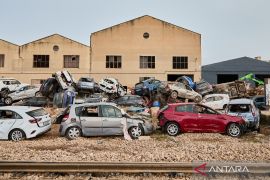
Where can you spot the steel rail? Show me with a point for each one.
(117, 167)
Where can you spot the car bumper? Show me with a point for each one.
(39, 131)
(148, 128)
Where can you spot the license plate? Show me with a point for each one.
(46, 123)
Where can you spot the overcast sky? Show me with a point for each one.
(229, 28)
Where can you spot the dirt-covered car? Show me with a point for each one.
(22, 93)
(181, 90)
(100, 119)
(9, 85)
(112, 86)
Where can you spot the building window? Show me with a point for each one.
(71, 61)
(180, 62)
(2, 60)
(113, 61)
(37, 81)
(41, 61)
(145, 78)
(147, 62)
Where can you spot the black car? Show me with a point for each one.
(130, 100)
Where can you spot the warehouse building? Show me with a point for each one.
(131, 51)
(145, 47)
(234, 69)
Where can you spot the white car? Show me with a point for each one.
(23, 93)
(216, 101)
(23, 122)
(181, 90)
(10, 85)
(112, 86)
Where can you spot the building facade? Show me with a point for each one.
(145, 47)
(131, 51)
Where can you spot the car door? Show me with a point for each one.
(187, 117)
(91, 121)
(210, 120)
(7, 120)
(19, 94)
(111, 120)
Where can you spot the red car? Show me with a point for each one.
(192, 117)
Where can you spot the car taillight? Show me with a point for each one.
(65, 118)
(35, 120)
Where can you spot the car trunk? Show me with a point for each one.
(41, 117)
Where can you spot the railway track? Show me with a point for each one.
(119, 167)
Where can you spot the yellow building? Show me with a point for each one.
(36, 61)
(131, 51)
(145, 47)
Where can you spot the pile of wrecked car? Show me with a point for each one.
(179, 106)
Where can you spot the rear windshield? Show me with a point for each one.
(239, 108)
(37, 113)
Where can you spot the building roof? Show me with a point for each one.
(145, 16)
(8, 42)
(52, 36)
(242, 64)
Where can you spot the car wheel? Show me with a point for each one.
(135, 132)
(38, 94)
(234, 130)
(174, 94)
(197, 99)
(16, 135)
(8, 101)
(73, 133)
(172, 129)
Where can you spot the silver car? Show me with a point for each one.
(22, 93)
(100, 119)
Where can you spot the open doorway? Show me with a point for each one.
(223, 78)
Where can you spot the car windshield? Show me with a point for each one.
(239, 108)
(86, 79)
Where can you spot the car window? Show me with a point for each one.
(37, 112)
(6, 82)
(15, 82)
(260, 99)
(180, 85)
(7, 114)
(203, 110)
(210, 99)
(89, 111)
(239, 108)
(184, 108)
(111, 112)
(188, 88)
(218, 98)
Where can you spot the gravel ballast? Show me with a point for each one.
(158, 147)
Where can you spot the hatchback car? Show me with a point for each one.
(246, 109)
(86, 84)
(184, 91)
(20, 122)
(100, 119)
(192, 117)
(112, 86)
(22, 93)
(216, 101)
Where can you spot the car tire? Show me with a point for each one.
(135, 132)
(174, 94)
(197, 99)
(8, 101)
(234, 130)
(172, 129)
(73, 132)
(16, 135)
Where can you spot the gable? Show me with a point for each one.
(145, 18)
